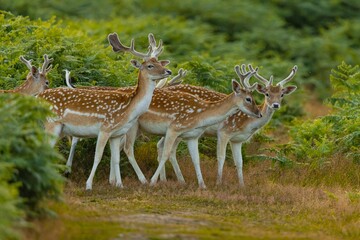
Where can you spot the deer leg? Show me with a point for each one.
(115, 159)
(222, 142)
(236, 151)
(194, 153)
(174, 162)
(74, 141)
(103, 137)
(112, 179)
(169, 141)
(160, 148)
(129, 151)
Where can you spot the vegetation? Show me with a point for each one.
(314, 147)
(10, 213)
(29, 166)
(315, 141)
(338, 132)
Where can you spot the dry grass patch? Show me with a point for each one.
(267, 208)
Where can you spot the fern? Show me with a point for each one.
(337, 133)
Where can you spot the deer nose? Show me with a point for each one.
(276, 105)
(260, 115)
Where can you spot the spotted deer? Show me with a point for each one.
(238, 128)
(106, 115)
(162, 84)
(36, 80)
(119, 47)
(186, 116)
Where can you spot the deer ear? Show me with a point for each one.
(261, 89)
(164, 62)
(236, 86)
(135, 63)
(289, 89)
(34, 72)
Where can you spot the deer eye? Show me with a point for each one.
(248, 99)
(282, 95)
(150, 66)
(47, 83)
(267, 94)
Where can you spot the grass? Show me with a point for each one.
(271, 206)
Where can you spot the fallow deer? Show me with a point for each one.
(156, 50)
(238, 128)
(107, 115)
(162, 84)
(186, 116)
(36, 80)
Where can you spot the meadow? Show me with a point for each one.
(301, 171)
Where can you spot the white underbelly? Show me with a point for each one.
(211, 130)
(123, 130)
(89, 131)
(156, 128)
(194, 133)
(242, 137)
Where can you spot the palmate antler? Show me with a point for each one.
(154, 51)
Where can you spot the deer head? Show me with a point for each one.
(36, 80)
(274, 94)
(244, 91)
(152, 69)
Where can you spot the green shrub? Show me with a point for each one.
(316, 142)
(25, 147)
(11, 215)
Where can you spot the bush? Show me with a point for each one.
(10, 215)
(315, 142)
(35, 168)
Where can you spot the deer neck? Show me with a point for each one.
(218, 111)
(23, 88)
(266, 111)
(142, 95)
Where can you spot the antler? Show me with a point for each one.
(27, 62)
(154, 51)
(177, 79)
(174, 81)
(45, 67)
(291, 75)
(245, 75)
(261, 78)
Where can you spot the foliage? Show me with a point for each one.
(317, 141)
(25, 147)
(315, 35)
(10, 213)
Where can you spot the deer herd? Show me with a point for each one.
(172, 110)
